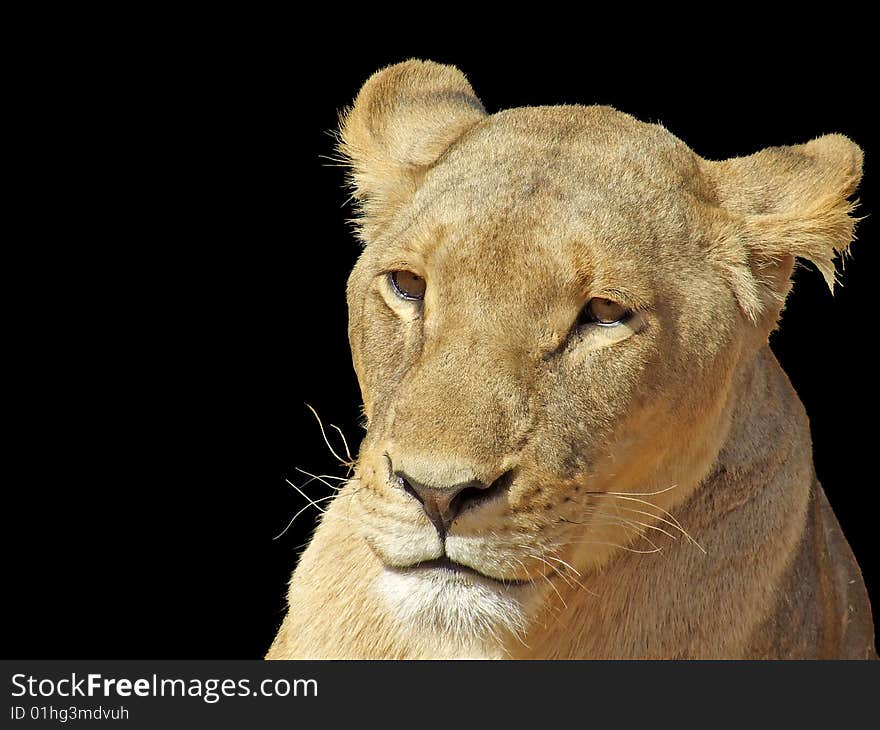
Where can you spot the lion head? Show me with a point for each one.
(547, 321)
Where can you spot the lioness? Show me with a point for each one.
(579, 444)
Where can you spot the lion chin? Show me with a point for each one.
(469, 615)
(579, 443)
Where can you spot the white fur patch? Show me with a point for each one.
(469, 615)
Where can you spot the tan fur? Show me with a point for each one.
(619, 440)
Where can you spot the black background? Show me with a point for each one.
(180, 297)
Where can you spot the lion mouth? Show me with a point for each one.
(447, 565)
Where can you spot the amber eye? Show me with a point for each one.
(604, 312)
(407, 285)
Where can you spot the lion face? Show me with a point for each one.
(546, 323)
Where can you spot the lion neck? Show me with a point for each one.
(747, 514)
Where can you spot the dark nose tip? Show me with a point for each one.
(444, 504)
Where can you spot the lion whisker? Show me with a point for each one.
(638, 494)
(349, 463)
(325, 476)
(575, 571)
(315, 502)
(608, 519)
(642, 535)
(650, 527)
(567, 565)
(612, 544)
(321, 478)
(571, 581)
(303, 509)
(553, 568)
(675, 525)
(305, 496)
(634, 526)
(629, 498)
(344, 442)
(675, 521)
(544, 576)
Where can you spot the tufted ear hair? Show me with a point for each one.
(780, 204)
(404, 118)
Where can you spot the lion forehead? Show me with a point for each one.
(509, 190)
(573, 153)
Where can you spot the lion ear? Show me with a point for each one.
(404, 118)
(780, 204)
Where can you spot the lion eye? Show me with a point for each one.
(407, 285)
(604, 312)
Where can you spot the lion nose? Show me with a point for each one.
(444, 504)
